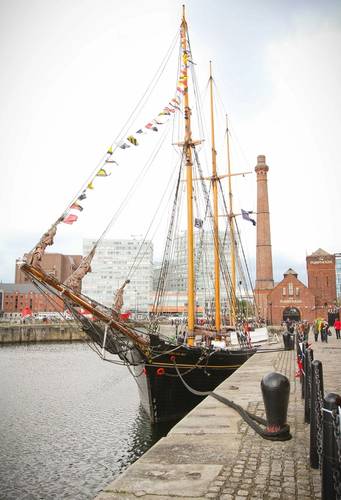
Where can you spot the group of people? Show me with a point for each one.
(320, 328)
(323, 329)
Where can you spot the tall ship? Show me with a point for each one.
(197, 349)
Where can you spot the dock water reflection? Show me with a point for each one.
(69, 422)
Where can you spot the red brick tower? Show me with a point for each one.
(264, 273)
(322, 280)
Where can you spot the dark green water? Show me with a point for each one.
(69, 422)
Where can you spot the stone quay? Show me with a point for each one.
(213, 453)
(40, 332)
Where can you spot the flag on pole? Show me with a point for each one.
(76, 206)
(133, 140)
(198, 223)
(102, 173)
(246, 216)
(70, 219)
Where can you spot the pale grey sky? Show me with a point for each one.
(72, 71)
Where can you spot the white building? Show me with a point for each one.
(176, 281)
(114, 262)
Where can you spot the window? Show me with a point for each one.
(290, 289)
(284, 292)
(297, 291)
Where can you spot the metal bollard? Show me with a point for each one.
(275, 389)
(286, 340)
(329, 455)
(292, 337)
(307, 380)
(315, 413)
(304, 355)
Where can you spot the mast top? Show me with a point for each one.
(183, 12)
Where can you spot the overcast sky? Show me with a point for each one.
(71, 71)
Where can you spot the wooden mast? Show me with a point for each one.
(215, 215)
(232, 236)
(189, 182)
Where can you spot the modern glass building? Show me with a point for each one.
(116, 261)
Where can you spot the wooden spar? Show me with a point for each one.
(215, 215)
(232, 237)
(66, 292)
(189, 183)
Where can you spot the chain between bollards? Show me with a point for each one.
(330, 470)
(316, 414)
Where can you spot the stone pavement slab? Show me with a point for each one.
(213, 453)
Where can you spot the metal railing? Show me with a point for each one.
(323, 413)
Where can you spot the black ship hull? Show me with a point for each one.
(162, 392)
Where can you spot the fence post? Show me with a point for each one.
(304, 363)
(329, 454)
(316, 414)
(309, 356)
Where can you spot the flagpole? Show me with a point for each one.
(189, 183)
(232, 236)
(215, 215)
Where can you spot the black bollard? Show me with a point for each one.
(286, 340)
(307, 380)
(316, 414)
(329, 454)
(291, 341)
(275, 389)
(304, 352)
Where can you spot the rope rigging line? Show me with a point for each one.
(133, 115)
(251, 419)
(135, 183)
(232, 134)
(133, 266)
(222, 259)
(166, 257)
(242, 249)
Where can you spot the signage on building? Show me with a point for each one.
(290, 301)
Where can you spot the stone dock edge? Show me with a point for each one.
(213, 453)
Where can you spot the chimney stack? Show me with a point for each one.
(264, 272)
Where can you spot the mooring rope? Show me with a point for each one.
(251, 419)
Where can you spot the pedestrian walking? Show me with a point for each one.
(322, 331)
(337, 326)
(316, 332)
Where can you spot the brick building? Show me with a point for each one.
(61, 266)
(321, 272)
(290, 299)
(15, 297)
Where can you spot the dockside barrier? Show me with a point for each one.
(323, 412)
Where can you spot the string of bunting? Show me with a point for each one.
(71, 214)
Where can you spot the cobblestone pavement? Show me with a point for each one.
(264, 469)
